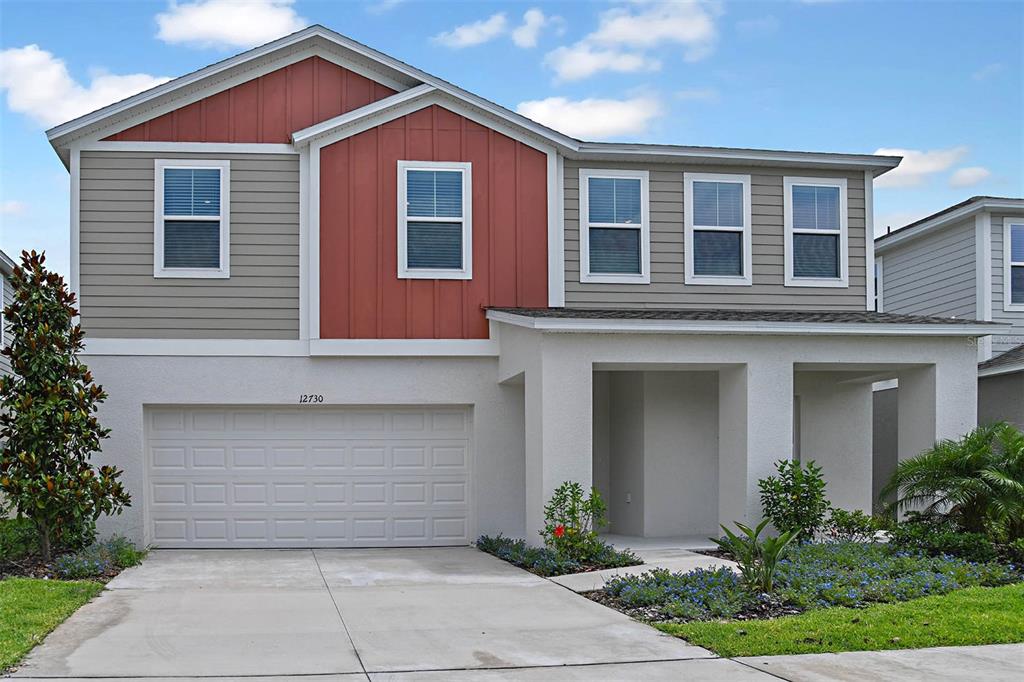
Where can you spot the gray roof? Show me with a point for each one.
(1014, 356)
(724, 315)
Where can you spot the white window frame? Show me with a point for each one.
(644, 276)
(466, 271)
(1009, 264)
(843, 280)
(222, 272)
(746, 232)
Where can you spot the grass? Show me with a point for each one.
(977, 615)
(31, 608)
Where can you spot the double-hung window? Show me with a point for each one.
(717, 240)
(1013, 269)
(614, 227)
(814, 215)
(435, 220)
(192, 230)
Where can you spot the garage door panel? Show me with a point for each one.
(234, 477)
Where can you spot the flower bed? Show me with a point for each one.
(19, 556)
(546, 562)
(812, 576)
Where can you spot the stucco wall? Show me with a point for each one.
(1001, 398)
(497, 412)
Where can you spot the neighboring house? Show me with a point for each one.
(337, 301)
(6, 296)
(966, 261)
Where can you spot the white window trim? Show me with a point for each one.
(1008, 265)
(644, 276)
(466, 271)
(843, 281)
(744, 280)
(224, 271)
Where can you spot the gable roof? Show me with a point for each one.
(376, 65)
(946, 217)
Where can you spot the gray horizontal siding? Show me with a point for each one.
(1015, 336)
(933, 275)
(667, 288)
(121, 298)
(8, 298)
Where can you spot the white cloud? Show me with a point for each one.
(528, 32)
(38, 85)
(987, 71)
(688, 23)
(969, 176)
(227, 23)
(476, 33)
(12, 207)
(582, 60)
(760, 26)
(593, 119)
(698, 95)
(918, 165)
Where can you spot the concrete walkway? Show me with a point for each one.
(671, 559)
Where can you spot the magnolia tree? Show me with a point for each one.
(48, 419)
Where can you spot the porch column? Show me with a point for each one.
(835, 432)
(559, 437)
(936, 402)
(755, 427)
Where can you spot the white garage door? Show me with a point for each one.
(308, 477)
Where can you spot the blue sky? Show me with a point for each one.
(944, 82)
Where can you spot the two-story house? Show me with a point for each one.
(338, 301)
(966, 261)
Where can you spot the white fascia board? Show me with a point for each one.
(306, 135)
(887, 242)
(404, 347)
(197, 347)
(634, 326)
(1001, 369)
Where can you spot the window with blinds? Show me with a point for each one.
(815, 231)
(717, 245)
(614, 237)
(434, 220)
(1015, 249)
(192, 219)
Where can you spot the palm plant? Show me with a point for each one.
(977, 480)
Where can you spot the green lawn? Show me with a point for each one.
(978, 615)
(31, 608)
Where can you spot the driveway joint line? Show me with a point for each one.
(761, 670)
(540, 666)
(337, 608)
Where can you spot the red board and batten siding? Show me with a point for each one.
(361, 296)
(266, 109)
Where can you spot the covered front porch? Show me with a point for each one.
(675, 426)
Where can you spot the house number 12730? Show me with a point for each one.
(311, 398)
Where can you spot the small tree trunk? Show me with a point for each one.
(44, 541)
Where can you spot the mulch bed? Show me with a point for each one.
(717, 553)
(763, 610)
(34, 567)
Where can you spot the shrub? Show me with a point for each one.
(701, 594)
(547, 562)
(1014, 552)
(48, 424)
(937, 535)
(18, 539)
(850, 526)
(98, 559)
(978, 481)
(757, 558)
(571, 522)
(794, 500)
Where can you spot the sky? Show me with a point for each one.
(940, 83)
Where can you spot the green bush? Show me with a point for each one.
(757, 558)
(851, 526)
(937, 535)
(1014, 552)
(794, 500)
(977, 481)
(571, 522)
(18, 539)
(98, 559)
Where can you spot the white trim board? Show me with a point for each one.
(1000, 370)
(983, 283)
(640, 326)
(869, 241)
(888, 241)
(295, 347)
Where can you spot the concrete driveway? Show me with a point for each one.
(390, 614)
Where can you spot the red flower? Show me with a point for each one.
(559, 531)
